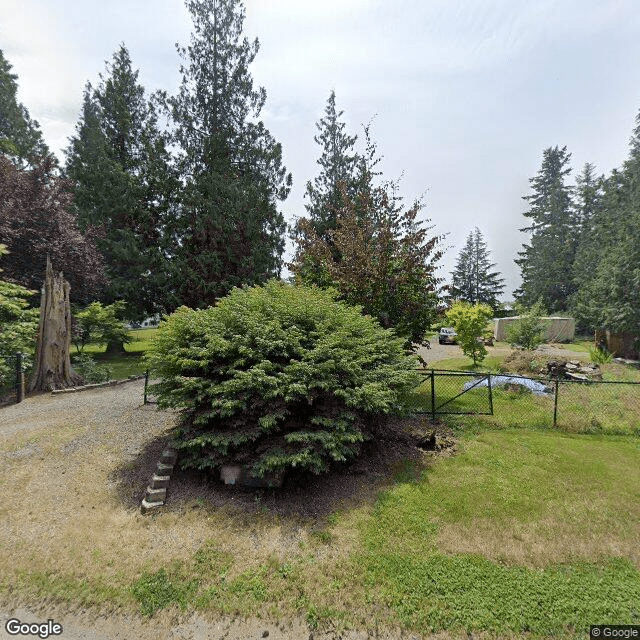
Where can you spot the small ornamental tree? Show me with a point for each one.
(101, 324)
(18, 326)
(277, 377)
(528, 330)
(470, 323)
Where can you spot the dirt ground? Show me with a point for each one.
(75, 467)
(439, 352)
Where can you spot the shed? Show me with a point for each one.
(556, 329)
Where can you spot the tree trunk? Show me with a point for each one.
(52, 367)
(115, 348)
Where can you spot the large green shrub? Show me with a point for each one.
(276, 377)
(470, 322)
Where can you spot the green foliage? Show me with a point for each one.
(101, 324)
(470, 323)
(89, 369)
(277, 377)
(472, 280)
(123, 185)
(20, 136)
(546, 262)
(18, 326)
(229, 227)
(528, 330)
(378, 255)
(600, 356)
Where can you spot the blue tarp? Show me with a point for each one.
(534, 386)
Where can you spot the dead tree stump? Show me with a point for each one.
(52, 366)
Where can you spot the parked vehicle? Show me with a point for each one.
(447, 335)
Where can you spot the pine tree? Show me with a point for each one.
(20, 136)
(546, 262)
(472, 279)
(229, 230)
(120, 165)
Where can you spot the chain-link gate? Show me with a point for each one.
(453, 392)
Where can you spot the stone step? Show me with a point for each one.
(159, 482)
(149, 507)
(156, 495)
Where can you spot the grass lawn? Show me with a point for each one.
(522, 531)
(123, 365)
(527, 531)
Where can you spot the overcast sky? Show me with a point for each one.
(466, 94)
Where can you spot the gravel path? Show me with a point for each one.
(72, 470)
(439, 352)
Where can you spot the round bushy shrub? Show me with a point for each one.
(276, 377)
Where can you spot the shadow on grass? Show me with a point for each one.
(303, 495)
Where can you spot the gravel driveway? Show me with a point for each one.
(65, 461)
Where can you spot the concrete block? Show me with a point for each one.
(149, 507)
(159, 482)
(156, 495)
(164, 469)
(169, 456)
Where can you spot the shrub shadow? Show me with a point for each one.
(400, 443)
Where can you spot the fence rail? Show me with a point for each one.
(516, 399)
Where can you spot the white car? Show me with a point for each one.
(447, 335)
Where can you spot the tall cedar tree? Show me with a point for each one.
(20, 136)
(229, 230)
(546, 262)
(36, 219)
(124, 186)
(472, 279)
(387, 260)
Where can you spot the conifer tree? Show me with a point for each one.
(20, 136)
(546, 262)
(229, 230)
(123, 185)
(380, 256)
(338, 164)
(473, 280)
(610, 299)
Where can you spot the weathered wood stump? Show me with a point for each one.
(52, 367)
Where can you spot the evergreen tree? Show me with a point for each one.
(338, 164)
(613, 295)
(379, 256)
(229, 230)
(472, 279)
(120, 165)
(592, 227)
(20, 136)
(546, 262)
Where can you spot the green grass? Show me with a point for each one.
(505, 483)
(582, 408)
(128, 364)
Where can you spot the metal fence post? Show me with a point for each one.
(555, 404)
(19, 378)
(146, 383)
(433, 395)
(490, 394)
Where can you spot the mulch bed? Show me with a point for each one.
(303, 495)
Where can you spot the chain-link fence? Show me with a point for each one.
(12, 379)
(581, 406)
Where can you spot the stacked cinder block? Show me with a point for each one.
(156, 493)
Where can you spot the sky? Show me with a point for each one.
(463, 95)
